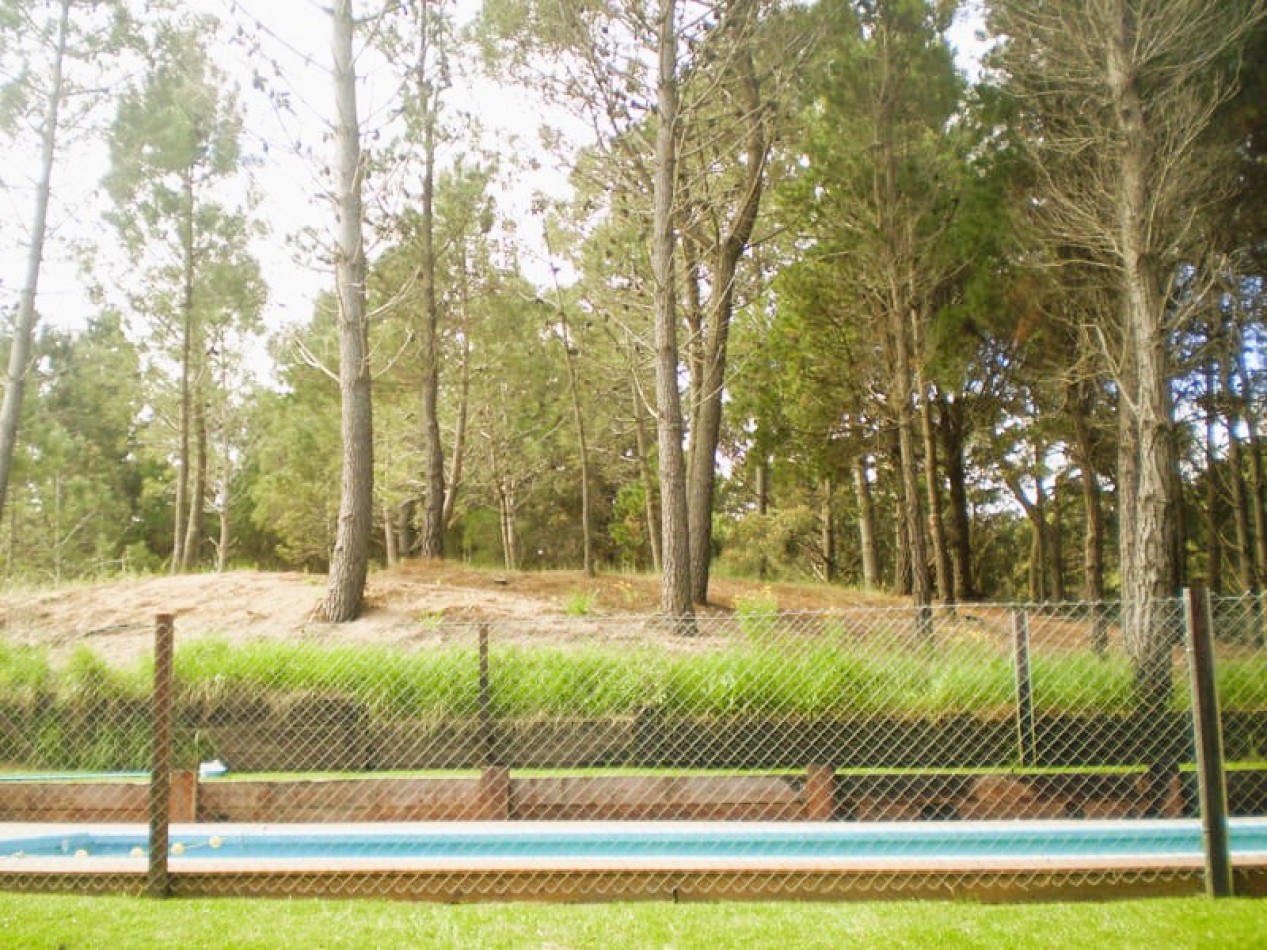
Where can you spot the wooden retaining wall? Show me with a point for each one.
(818, 794)
(328, 735)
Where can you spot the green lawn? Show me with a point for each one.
(38, 921)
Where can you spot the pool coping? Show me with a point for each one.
(622, 878)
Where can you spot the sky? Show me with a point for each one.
(286, 146)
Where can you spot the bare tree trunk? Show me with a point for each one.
(464, 405)
(706, 435)
(1258, 506)
(406, 537)
(1093, 509)
(1257, 503)
(763, 506)
(224, 546)
(1146, 449)
(389, 536)
(506, 512)
(763, 485)
(650, 510)
(1056, 546)
(903, 583)
(24, 321)
(675, 584)
(578, 419)
(349, 563)
(432, 447)
(827, 517)
(959, 528)
(866, 523)
(1213, 541)
(180, 531)
(932, 489)
(192, 549)
(1240, 511)
(909, 467)
(1039, 555)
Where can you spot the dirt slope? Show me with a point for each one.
(403, 604)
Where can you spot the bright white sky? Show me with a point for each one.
(287, 148)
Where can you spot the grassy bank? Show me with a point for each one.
(778, 678)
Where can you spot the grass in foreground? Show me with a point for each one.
(80, 922)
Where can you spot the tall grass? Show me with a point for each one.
(765, 676)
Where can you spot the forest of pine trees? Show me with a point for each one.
(821, 300)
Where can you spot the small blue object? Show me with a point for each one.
(213, 769)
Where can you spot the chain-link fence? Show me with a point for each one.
(982, 749)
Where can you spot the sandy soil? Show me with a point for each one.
(416, 602)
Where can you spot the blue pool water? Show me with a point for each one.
(923, 840)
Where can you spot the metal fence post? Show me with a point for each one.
(158, 881)
(1212, 783)
(1024, 689)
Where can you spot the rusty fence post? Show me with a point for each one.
(1208, 732)
(158, 881)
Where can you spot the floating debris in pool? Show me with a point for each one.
(213, 769)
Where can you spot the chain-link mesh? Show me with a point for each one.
(983, 749)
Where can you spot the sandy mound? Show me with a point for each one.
(418, 602)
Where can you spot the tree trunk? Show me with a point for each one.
(650, 510)
(763, 506)
(390, 551)
(959, 528)
(1093, 509)
(706, 435)
(866, 523)
(406, 537)
(458, 460)
(506, 513)
(180, 534)
(432, 537)
(349, 563)
(224, 546)
(1036, 514)
(1056, 546)
(24, 321)
(1213, 541)
(1257, 503)
(902, 573)
(827, 535)
(675, 582)
(1258, 506)
(763, 485)
(192, 550)
(932, 489)
(909, 465)
(1039, 555)
(1146, 463)
(578, 418)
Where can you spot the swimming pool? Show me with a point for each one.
(622, 859)
(968, 840)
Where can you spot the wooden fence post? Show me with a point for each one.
(158, 880)
(1211, 781)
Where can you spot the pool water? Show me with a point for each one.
(1131, 839)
